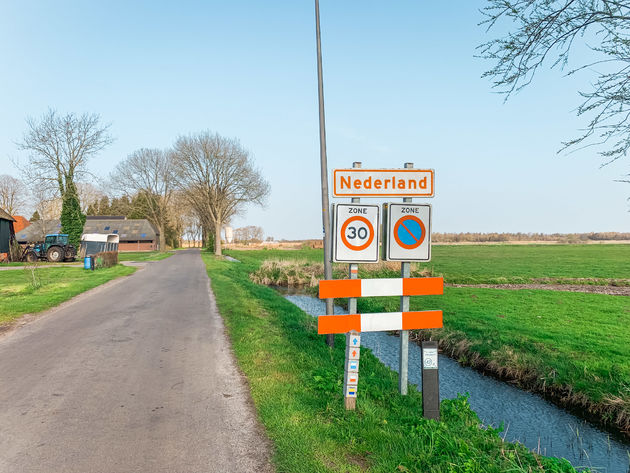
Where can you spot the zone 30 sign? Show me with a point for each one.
(407, 232)
(356, 230)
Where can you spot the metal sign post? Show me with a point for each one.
(353, 339)
(403, 366)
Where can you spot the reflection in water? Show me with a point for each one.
(527, 418)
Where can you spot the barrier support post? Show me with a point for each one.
(403, 367)
(350, 400)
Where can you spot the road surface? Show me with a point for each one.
(138, 377)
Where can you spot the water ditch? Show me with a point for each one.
(527, 418)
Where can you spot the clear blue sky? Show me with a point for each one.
(401, 84)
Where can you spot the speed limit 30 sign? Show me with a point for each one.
(356, 230)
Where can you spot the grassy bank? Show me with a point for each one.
(296, 384)
(26, 292)
(571, 347)
(143, 255)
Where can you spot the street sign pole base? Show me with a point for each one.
(350, 403)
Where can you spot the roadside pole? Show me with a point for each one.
(330, 338)
(353, 340)
(403, 367)
(430, 381)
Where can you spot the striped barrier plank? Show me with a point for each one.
(379, 322)
(336, 288)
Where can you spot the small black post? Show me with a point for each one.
(430, 381)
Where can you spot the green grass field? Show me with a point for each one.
(40, 263)
(143, 255)
(296, 385)
(497, 264)
(569, 346)
(475, 264)
(22, 293)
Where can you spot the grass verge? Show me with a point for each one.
(296, 385)
(41, 263)
(143, 255)
(29, 290)
(571, 347)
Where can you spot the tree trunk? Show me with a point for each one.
(162, 238)
(217, 238)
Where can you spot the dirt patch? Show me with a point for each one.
(609, 290)
(359, 461)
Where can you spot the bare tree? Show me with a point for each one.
(219, 179)
(545, 32)
(251, 233)
(148, 174)
(191, 229)
(88, 195)
(13, 194)
(60, 147)
(47, 205)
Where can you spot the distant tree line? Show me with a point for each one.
(505, 237)
(249, 234)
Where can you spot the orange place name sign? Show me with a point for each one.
(383, 182)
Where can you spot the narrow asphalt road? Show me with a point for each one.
(138, 377)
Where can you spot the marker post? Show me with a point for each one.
(403, 367)
(430, 381)
(353, 340)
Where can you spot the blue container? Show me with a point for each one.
(87, 262)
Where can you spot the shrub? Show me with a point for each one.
(105, 259)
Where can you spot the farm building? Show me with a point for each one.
(135, 234)
(20, 223)
(6, 234)
(37, 231)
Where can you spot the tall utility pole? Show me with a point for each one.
(330, 338)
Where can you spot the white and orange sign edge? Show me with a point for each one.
(355, 182)
(341, 252)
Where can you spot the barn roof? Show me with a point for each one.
(5, 216)
(20, 223)
(37, 230)
(127, 230)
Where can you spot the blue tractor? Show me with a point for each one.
(54, 249)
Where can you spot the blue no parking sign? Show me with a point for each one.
(408, 232)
